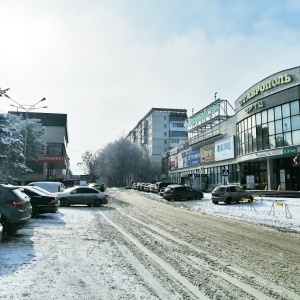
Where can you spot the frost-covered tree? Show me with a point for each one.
(89, 163)
(35, 133)
(121, 162)
(12, 141)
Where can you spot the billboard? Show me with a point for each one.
(174, 162)
(224, 149)
(182, 159)
(208, 153)
(193, 157)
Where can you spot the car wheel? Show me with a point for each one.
(177, 197)
(228, 201)
(35, 212)
(215, 202)
(97, 203)
(89, 205)
(63, 202)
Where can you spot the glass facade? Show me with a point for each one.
(272, 128)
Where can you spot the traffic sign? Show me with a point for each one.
(225, 172)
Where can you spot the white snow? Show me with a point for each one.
(269, 211)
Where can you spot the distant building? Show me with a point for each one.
(158, 131)
(53, 164)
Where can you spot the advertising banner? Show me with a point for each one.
(224, 149)
(193, 157)
(208, 153)
(182, 159)
(174, 162)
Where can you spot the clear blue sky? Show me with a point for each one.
(107, 63)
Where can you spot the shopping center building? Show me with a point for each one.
(253, 144)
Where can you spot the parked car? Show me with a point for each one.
(82, 195)
(15, 208)
(98, 186)
(133, 186)
(50, 186)
(41, 202)
(161, 184)
(43, 190)
(161, 192)
(179, 192)
(147, 187)
(139, 185)
(229, 194)
(152, 188)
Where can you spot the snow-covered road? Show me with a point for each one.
(140, 246)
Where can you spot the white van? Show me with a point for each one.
(50, 186)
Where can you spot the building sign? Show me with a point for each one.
(261, 155)
(202, 115)
(208, 153)
(49, 158)
(254, 106)
(224, 149)
(264, 86)
(193, 157)
(290, 150)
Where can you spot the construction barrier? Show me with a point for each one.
(287, 211)
(247, 201)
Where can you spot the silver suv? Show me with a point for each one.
(229, 194)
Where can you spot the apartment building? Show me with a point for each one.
(158, 131)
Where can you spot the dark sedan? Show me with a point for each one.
(178, 192)
(41, 203)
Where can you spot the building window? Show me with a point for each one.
(275, 127)
(165, 125)
(165, 142)
(165, 134)
(55, 148)
(165, 117)
(174, 141)
(178, 125)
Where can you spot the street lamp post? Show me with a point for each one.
(27, 108)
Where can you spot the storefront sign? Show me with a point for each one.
(261, 154)
(224, 149)
(273, 82)
(49, 158)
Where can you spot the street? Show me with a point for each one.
(138, 248)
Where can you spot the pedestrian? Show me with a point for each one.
(102, 187)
